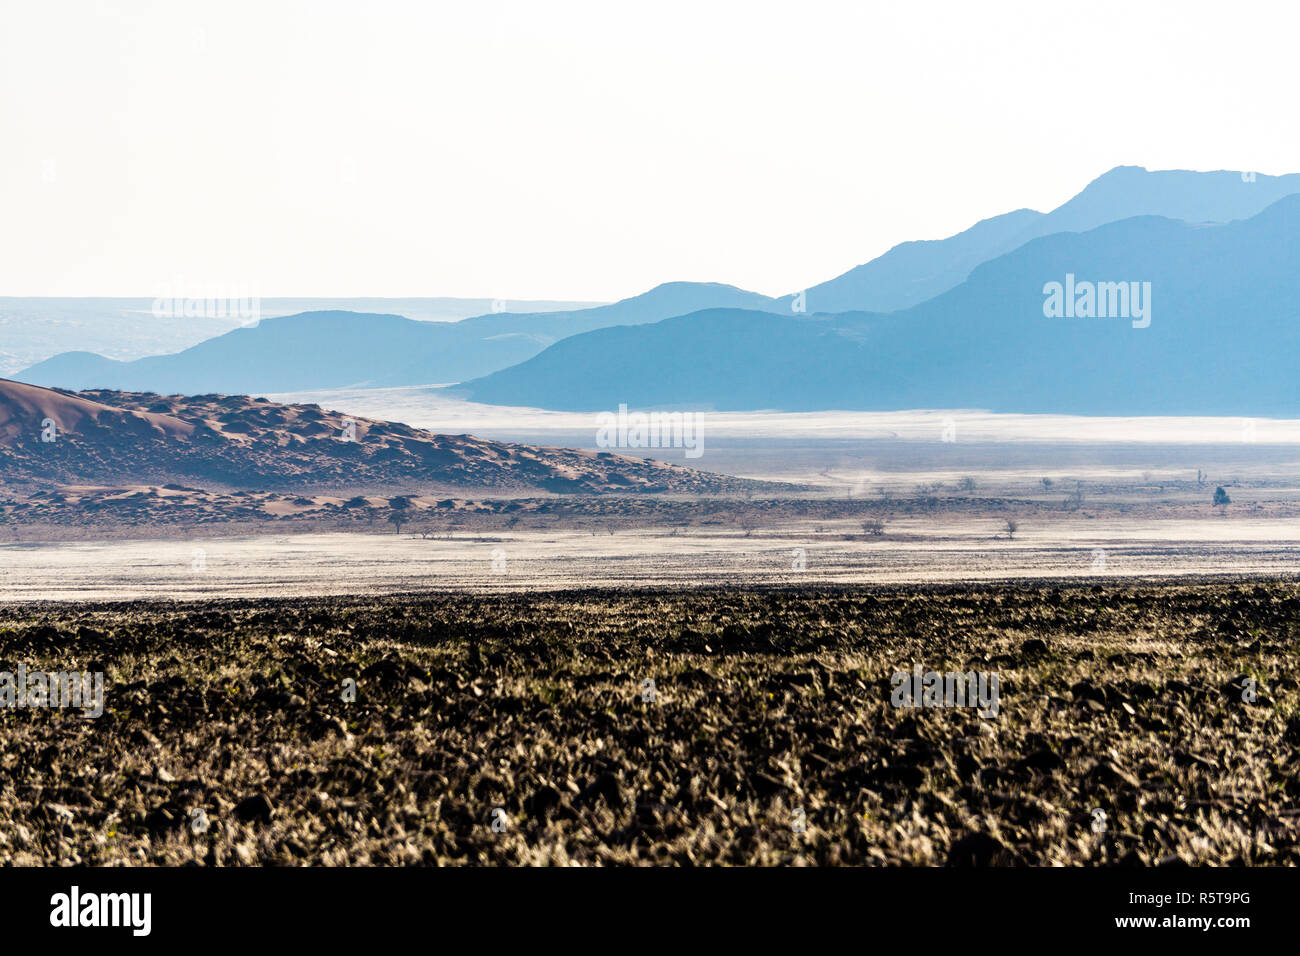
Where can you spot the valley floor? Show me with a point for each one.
(915, 549)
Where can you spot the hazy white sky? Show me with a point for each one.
(588, 150)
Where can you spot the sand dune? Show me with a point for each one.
(25, 408)
(117, 438)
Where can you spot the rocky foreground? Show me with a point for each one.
(1137, 725)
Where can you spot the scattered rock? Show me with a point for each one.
(257, 807)
(1041, 761)
(606, 785)
(1107, 773)
(980, 850)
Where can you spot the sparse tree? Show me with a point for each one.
(1221, 499)
(967, 484)
(1047, 484)
(1075, 501)
(399, 508)
(1012, 527)
(873, 527)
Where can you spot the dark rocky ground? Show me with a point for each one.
(1126, 699)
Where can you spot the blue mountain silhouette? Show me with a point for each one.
(914, 272)
(335, 349)
(1222, 340)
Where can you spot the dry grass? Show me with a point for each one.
(765, 702)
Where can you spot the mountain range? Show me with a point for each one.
(957, 322)
(337, 349)
(126, 329)
(1220, 337)
(914, 272)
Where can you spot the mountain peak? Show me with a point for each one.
(724, 293)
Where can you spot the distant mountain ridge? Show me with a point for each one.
(502, 354)
(127, 328)
(1223, 338)
(337, 349)
(726, 359)
(914, 272)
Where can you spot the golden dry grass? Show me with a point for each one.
(766, 702)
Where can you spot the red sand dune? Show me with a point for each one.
(238, 441)
(25, 408)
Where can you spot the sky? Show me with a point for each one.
(587, 151)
